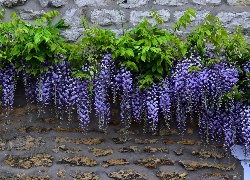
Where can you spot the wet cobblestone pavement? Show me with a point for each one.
(48, 148)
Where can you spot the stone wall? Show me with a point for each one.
(108, 14)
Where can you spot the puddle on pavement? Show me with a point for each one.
(120, 140)
(21, 143)
(101, 152)
(63, 148)
(208, 154)
(78, 161)
(86, 141)
(114, 162)
(171, 175)
(145, 141)
(127, 174)
(129, 149)
(195, 165)
(38, 129)
(85, 176)
(35, 160)
(150, 149)
(153, 162)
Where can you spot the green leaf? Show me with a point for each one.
(40, 58)
(29, 57)
(37, 38)
(194, 69)
(53, 47)
(143, 57)
(20, 68)
(130, 52)
(154, 67)
(131, 65)
(15, 50)
(28, 47)
(159, 69)
(13, 15)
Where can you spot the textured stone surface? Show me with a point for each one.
(44, 3)
(200, 15)
(72, 17)
(136, 16)
(171, 2)
(44, 155)
(204, 2)
(111, 13)
(232, 20)
(30, 14)
(81, 3)
(58, 3)
(12, 3)
(134, 3)
(239, 2)
(72, 34)
(213, 2)
(106, 17)
(200, 2)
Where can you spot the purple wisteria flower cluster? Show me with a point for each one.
(126, 103)
(8, 83)
(194, 91)
(102, 82)
(245, 120)
(246, 68)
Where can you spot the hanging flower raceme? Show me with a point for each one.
(165, 98)
(186, 89)
(246, 69)
(245, 120)
(199, 89)
(83, 102)
(101, 84)
(153, 106)
(8, 84)
(136, 103)
(44, 88)
(126, 111)
(116, 83)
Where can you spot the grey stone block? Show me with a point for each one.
(239, 2)
(171, 2)
(72, 17)
(12, 3)
(44, 3)
(58, 3)
(30, 14)
(134, 3)
(72, 34)
(233, 19)
(200, 16)
(82, 3)
(205, 2)
(136, 16)
(106, 17)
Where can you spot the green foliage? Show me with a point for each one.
(149, 50)
(31, 42)
(2, 14)
(185, 19)
(93, 45)
(7, 41)
(211, 34)
(145, 50)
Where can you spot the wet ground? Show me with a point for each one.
(49, 148)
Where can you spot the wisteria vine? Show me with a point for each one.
(195, 91)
